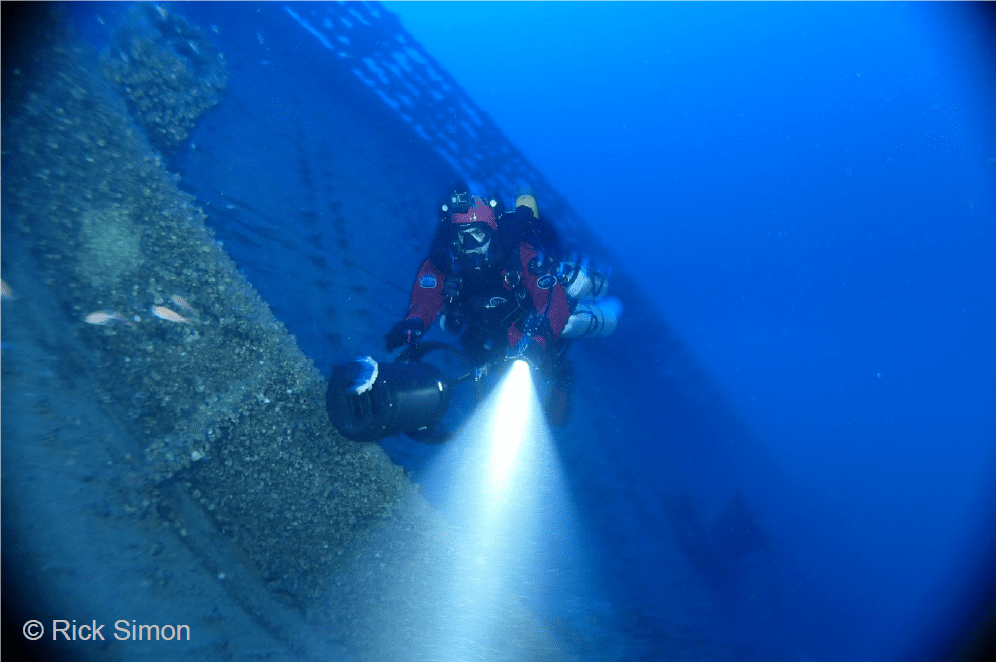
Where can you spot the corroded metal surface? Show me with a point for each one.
(189, 357)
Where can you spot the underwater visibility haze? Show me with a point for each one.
(786, 451)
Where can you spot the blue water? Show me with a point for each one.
(805, 191)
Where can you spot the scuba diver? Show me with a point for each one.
(490, 277)
(500, 280)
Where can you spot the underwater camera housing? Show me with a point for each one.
(367, 400)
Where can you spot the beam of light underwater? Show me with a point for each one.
(509, 507)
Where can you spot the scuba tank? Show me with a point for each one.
(594, 318)
(580, 281)
(592, 313)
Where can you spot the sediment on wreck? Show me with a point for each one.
(167, 70)
(220, 400)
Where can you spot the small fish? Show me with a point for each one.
(180, 301)
(164, 313)
(5, 292)
(102, 317)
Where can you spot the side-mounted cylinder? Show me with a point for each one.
(582, 282)
(593, 318)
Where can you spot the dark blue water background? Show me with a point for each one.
(806, 191)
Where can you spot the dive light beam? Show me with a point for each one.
(513, 408)
(506, 503)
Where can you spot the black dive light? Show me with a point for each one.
(368, 400)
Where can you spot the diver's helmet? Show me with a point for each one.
(473, 222)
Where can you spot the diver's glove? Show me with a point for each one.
(530, 350)
(405, 332)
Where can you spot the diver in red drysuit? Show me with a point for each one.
(490, 275)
